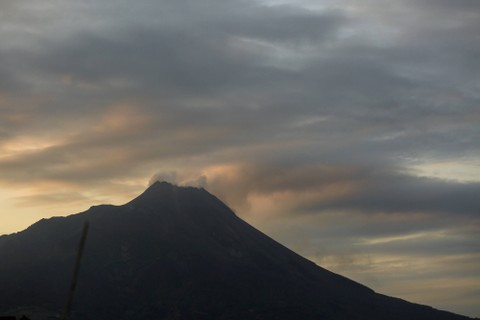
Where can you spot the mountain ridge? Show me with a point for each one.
(179, 253)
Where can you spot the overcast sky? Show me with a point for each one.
(347, 130)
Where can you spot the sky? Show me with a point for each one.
(346, 130)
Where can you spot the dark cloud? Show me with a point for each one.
(235, 64)
(282, 24)
(253, 75)
(359, 189)
(403, 193)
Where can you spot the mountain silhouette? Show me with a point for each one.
(177, 253)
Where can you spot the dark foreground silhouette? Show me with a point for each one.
(178, 253)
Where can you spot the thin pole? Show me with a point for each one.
(81, 246)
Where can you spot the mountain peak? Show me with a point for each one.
(165, 192)
(164, 186)
(159, 186)
(158, 191)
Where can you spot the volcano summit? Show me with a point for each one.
(178, 253)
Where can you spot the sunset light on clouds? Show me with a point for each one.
(346, 130)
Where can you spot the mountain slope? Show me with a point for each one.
(178, 253)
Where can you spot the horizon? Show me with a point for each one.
(346, 131)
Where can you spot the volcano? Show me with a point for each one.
(177, 253)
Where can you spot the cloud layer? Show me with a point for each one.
(348, 131)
